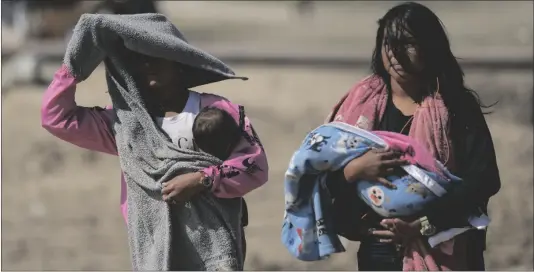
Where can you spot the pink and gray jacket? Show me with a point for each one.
(90, 128)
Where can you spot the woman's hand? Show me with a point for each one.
(84, 50)
(398, 231)
(183, 187)
(374, 165)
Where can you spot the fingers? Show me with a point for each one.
(386, 234)
(387, 223)
(171, 198)
(166, 190)
(172, 194)
(166, 197)
(390, 224)
(389, 155)
(390, 163)
(381, 151)
(176, 192)
(386, 183)
(176, 196)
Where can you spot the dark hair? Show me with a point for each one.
(216, 132)
(428, 32)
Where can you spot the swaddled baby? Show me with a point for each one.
(216, 132)
(330, 147)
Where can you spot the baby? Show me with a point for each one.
(215, 132)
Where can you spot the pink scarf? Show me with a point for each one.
(363, 106)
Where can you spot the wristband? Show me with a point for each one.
(427, 229)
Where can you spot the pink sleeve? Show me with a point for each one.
(247, 167)
(88, 128)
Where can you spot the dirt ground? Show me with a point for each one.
(60, 204)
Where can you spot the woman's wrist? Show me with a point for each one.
(204, 180)
(350, 177)
(352, 172)
(416, 224)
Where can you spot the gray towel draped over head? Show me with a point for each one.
(203, 234)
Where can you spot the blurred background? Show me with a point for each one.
(60, 204)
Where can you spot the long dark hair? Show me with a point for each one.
(412, 22)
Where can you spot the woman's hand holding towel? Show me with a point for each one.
(86, 48)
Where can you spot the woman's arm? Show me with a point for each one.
(88, 128)
(246, 169)
(477, 164)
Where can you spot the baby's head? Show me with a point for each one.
(216, 132)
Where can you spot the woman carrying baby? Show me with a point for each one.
(417, 89)
(163, 86)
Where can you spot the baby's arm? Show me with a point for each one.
(246, 169)
(88, 128)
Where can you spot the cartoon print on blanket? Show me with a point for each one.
(330, 147)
